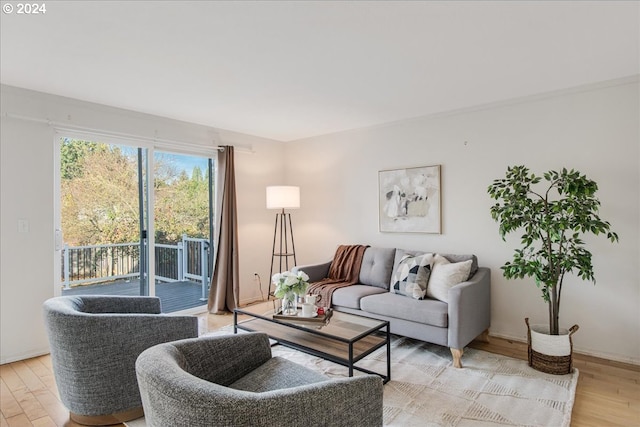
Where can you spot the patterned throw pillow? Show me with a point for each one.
(412, 275)
(445, 275)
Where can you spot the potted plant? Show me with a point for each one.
(553, 219)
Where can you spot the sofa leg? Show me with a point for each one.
(457, 356)
(484, 337)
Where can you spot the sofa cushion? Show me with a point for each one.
(350, 296)
(376, 268)
(411, 276)
(445, 275)
(427, 311)
(451, 257)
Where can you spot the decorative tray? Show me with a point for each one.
(321, 318)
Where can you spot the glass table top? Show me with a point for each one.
(343, 325)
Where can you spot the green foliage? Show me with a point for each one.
(72, 155)
(99, 197)
(182, 207)
(99, 191)
(553, 221)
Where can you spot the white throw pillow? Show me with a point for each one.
(411, 276)
(445, 275)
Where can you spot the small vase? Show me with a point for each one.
(290, 304)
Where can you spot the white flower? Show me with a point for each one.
(276, 278)
(289, 282)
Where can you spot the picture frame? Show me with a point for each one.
(410, 200)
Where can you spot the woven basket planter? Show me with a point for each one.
(550, 353)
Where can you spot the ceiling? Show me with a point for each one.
(295, 69)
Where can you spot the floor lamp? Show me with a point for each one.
(282, 197)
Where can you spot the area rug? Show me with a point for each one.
(425, 390)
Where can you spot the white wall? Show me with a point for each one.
(27, 192)
(593, 129)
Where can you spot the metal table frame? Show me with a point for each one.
(263, 323)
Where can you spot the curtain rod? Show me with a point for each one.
(105, 133)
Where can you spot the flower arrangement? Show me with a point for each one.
(290, 282)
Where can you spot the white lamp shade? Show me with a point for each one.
(283, 197)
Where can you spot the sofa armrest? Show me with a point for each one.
(107, 337)
(355, 401)
(225, 359)
(116, 304)
(469, 309)
(343, 402)
(316, 272)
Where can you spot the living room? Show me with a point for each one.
(582, 115)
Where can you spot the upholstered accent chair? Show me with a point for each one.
(95, 341)
(233, 380)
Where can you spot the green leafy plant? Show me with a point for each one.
(553, 220)
(290, 282)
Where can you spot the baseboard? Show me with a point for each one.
(190, 311)
(23, 356)
(250, 301)
(577, 351)
(203, 308)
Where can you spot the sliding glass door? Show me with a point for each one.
(134, 221)
(103, 218)
(183, 227)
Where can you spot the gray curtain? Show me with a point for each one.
(224, 292)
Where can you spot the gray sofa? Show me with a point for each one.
(455, 324)
(233, 380)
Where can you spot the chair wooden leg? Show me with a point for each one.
(105, 420)
(457, 356)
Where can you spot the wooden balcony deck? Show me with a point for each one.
(175, 296)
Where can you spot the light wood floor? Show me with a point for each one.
(608, 393)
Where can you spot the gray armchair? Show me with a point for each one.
(95, 341)
(233, 381)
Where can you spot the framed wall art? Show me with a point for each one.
(409, 200)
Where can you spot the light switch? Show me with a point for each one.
(23, 226)
(58, 240)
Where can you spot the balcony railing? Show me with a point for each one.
(186, 260)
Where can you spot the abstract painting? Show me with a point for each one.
(409, 200)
